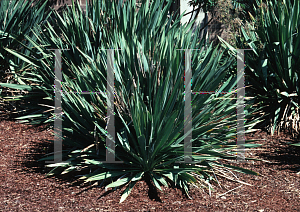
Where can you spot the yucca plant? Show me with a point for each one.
(17, 20)
(273, 70)
(149, 96)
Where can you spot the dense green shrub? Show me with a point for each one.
(149, 95)
(17, 20)
(272, 67)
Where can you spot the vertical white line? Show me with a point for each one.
(188, 108)
(110, 139)
(240, 106)
(57, 110)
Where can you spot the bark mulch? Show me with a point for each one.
(24, 187)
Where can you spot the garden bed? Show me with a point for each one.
(25, 188)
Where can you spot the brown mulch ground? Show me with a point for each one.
(24, 186)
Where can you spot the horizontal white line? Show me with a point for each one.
(83, 92)
(206, 92)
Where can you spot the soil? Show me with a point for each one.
(24, 186)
